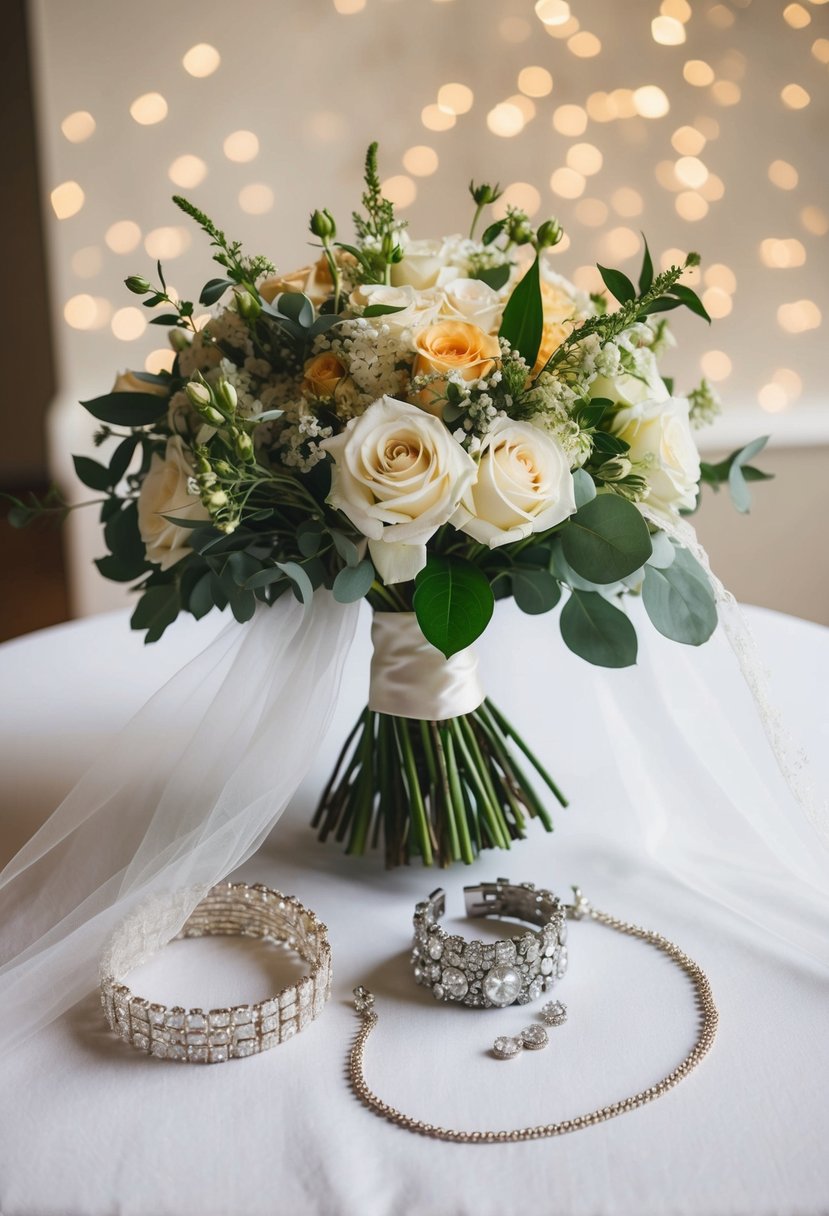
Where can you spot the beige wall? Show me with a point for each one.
(778, 555)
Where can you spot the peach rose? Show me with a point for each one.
(451, 346)
(323, 374)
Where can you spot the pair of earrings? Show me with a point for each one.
(531, 1038)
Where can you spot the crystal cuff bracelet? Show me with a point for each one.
(199, 1036)
(486, 974)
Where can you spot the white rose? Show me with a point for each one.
(639, 384)
(417, 308)
(524, 485)
(473, 300)
(431, 263)
(398, 475)
(164, 492)
(660, 437)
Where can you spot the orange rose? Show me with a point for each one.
(561, 315)
(451, 346)
(323, 374)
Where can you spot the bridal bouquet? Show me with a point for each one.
(432, 425)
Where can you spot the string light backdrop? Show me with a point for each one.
(700, 123)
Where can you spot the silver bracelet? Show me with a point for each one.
(199, 1036)
(492, 974)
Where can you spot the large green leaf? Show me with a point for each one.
(453, 602)
(606, 539)
(523, 321)
(617, 283)
(596, 631)
(679, 601)
(91, 473)
(127, 409)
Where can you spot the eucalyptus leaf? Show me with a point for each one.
(606, 539)
(201, 598)
(214, 290)
(663, 551)
(296, 307)
(737, 485)
(597, 631)
(302, 583)
(680, 605)
(243, 605)
(535, 591)
(346, 548)
(584, 487)
(453, 602)
(353, 582)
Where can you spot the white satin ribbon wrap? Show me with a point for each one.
(410, 678)
(184, 794)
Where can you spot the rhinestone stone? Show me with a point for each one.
(505, 1047)
(455, 982)
(534, 1038)
(554, 1013)
(502, 985)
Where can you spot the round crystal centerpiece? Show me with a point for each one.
(502, 985)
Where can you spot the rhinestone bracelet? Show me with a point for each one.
(199, 1036)
(486, 974)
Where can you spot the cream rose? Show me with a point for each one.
(164, 492)
(417, 308)
(451, 346)
(398, 475)
(637, 383)
(323, 375)
(128, 382)
(473, 300)
(661, 441)
(524, 485)
(313, 281)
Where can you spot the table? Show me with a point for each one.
(88, 1126)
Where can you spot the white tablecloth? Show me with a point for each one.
(89, 1126)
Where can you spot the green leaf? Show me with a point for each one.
(166, 318)
(646, 273)
(453, 602)
(157, 608)
(592, 412)
(120, 570)
(346, 548)
(127, 409)
(214, 290)
(609, 445)
(123, 537)
(535, 591)
(121, 458)
(680, 603)
(691, 300)
(382, 310)
(737, 486)
(296, 306)
(353, 582)
(243, 605)
(618, 284)
(584, 487)
(606, 539)
(242, 567)
(201, 597)
(493, 232)
(663, 551)
(597, 631)
(302, 583)
(495, 277)
(265, 578)
(663, 304)
(523, 321)
(309, 536)
(96, 476)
